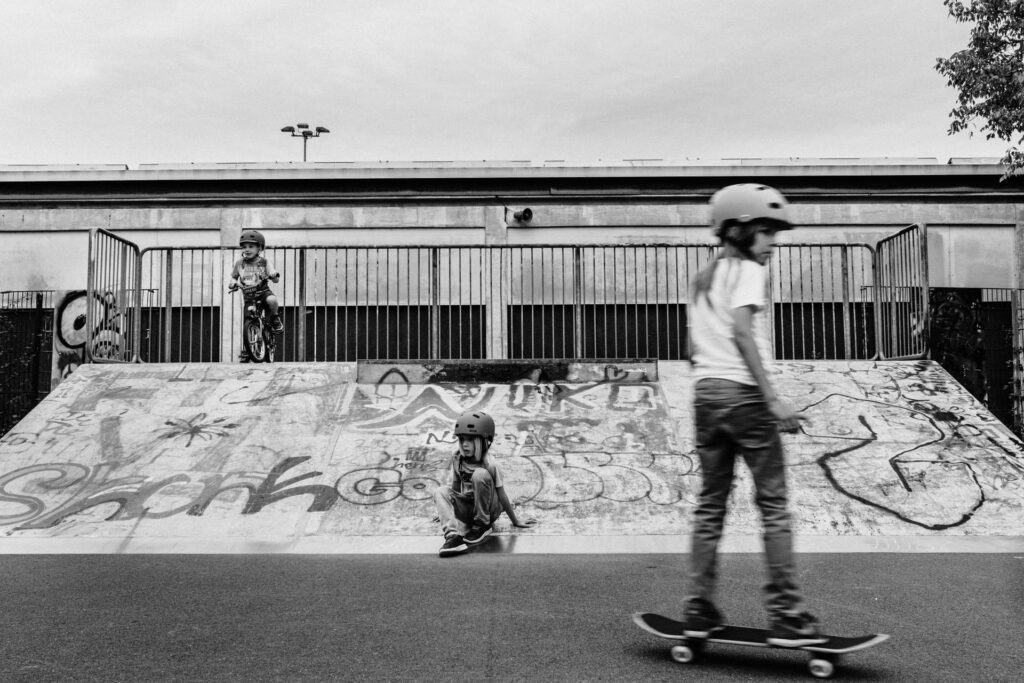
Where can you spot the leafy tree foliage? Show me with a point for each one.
(989, 74)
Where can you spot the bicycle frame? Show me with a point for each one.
(258, 341)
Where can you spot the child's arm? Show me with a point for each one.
(743, 330)
(233, 281)
(506, 504)
(272, 273)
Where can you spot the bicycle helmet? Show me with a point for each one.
(475, 424)
(252, 236)
(736, 211)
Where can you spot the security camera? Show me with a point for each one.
(523, 215)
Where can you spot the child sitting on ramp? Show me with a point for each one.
(475, 496)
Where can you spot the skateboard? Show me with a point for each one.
(824, 656)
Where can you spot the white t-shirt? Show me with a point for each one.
(736, 283)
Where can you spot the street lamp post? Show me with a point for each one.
(305, 133)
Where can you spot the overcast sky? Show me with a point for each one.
(164, 81)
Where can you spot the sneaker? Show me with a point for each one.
(276, 325)
(478, 533)
(795, 631)
(453, 545)
(701, 619)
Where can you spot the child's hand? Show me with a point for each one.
(788, 420)
(232, 286)
(527, 523)
(275, 277)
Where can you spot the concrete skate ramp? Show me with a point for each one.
(313, 458)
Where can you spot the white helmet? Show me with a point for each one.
(747, 202)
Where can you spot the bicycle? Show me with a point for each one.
(258, 339)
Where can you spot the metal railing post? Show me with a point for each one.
(845, 268)
(577, 302)
(90, 289)
(435, 304)
(300, 327)
(168, 306)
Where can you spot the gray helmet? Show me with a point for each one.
(252, 236)
(741, 204)
(475, 424)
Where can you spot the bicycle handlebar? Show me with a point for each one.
(232, 288)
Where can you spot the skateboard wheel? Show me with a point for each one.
(684, 654)
(821, 668)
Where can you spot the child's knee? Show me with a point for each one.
(482, 476)
(271, 301)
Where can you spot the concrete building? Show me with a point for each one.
(969, 220)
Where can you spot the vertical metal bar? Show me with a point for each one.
(449, 303)
(615, 301)
(90, 289)
(479, 330)
(537, 282)
(636, 302)
(925, 293)
(300, 303)
(878, 278)
(595, 305)
(406, 332)
(372, 329)
(136, 307)
(847, 332)
(168, 299)
(203, 274)
(657, 303)
(789, 331)
(811, 306)
(387, 304)
(340, 328)
(533, 302)
(458, 309)
(435, 312)
(577, 302)
(605, 308)
(357, 334)
(678, 355)
(522, 302)
(348, 309)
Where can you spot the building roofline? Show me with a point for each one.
(439, 169)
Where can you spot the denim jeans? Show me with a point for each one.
(459, 511)
(733, 419)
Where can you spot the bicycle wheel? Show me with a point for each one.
(254, 344)
(271, 343)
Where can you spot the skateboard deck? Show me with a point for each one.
(824, 656)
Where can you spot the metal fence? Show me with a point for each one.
(113, 298)
(1017, 360)
(549, 301)
(901, 293)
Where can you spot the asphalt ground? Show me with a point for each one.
(486, 616)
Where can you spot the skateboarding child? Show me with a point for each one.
(738, 413)
(475, 494)
(251, 274)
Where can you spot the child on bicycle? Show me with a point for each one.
(251, 273)
(474, 496)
